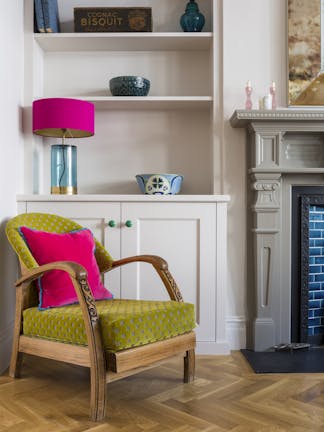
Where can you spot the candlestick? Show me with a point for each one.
(248, 91)
(273, 94)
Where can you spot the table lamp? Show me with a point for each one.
(64, 118)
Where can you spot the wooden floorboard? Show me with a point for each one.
(226, 396)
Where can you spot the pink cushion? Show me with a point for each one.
(55, 287)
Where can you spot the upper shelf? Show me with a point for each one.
(152, 102)
(165, 103)
(51, 42)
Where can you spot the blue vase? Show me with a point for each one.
(192, 20)
(63, 169)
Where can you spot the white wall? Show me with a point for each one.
(11, 148)
(254, 48)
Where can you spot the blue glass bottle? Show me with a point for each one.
(192, 20)
(64, 169)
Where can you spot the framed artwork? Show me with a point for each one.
(305, 52)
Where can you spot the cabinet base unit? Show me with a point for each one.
(188, 231)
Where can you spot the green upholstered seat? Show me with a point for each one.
(124, 323)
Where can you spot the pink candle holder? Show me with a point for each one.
(273, 94)
(248, 92)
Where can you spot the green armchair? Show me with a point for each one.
(114, 338)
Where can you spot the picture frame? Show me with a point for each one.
(305, 54)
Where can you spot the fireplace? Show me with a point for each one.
(307, 265)
(285, 152)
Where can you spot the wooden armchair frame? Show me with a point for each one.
(104, 367)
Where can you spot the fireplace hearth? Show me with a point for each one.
(285, 152)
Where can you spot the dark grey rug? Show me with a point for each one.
(310, 361)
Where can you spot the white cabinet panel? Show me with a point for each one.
(184, 235)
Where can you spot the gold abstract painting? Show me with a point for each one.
(306, 84)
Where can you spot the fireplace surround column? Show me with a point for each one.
(265, 231)
(285, 148)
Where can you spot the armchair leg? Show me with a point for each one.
(189, 366)
(15, 366)
(16, 358)
(98, 394)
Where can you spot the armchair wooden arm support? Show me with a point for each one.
(78, 276)
(74, 269)
(161, 266)
(155, 260)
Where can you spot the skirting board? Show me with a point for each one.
(5, 346)
(236, 332)
(213, 348)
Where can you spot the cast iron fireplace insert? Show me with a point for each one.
(307, 289)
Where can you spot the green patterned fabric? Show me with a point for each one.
(49, 223)
(124, 323)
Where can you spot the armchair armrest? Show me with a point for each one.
(74, 269)
(161, 266)
(155, 260)
(78, 275)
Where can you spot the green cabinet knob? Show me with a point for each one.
(129, 223)
(112, 223)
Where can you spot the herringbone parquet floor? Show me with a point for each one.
(226, 396)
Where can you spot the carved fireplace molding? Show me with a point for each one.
(285, 149)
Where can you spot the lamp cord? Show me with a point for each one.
(63, 157)
(64, 165)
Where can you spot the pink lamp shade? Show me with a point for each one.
(58, 117)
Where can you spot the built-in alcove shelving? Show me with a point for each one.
(173, 129)
(170, 130)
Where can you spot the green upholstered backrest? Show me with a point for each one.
(50, 223)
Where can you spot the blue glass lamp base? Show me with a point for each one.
(64, 169)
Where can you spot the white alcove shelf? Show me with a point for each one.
(172, 41)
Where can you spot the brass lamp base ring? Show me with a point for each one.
(64, 190)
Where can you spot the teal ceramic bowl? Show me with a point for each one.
(129, 86)
(159, 184)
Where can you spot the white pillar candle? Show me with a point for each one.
(267, 102)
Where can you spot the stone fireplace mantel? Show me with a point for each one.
(285, 149)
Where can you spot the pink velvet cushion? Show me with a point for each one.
(55, 287)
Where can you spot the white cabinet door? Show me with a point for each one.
(185, 235)
(95, 216)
